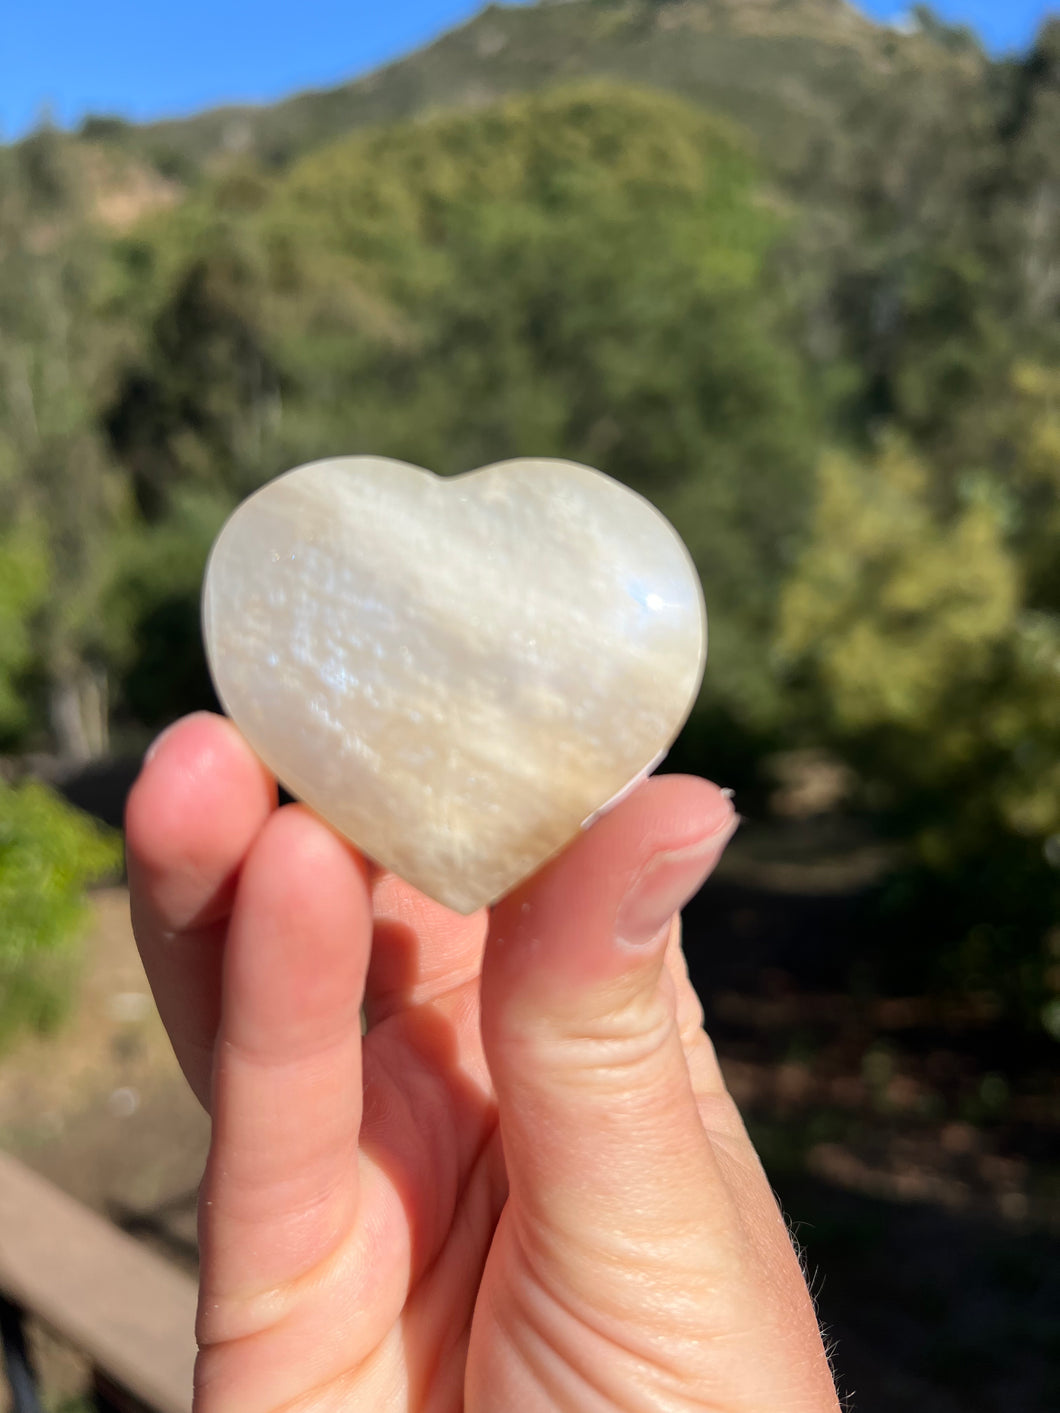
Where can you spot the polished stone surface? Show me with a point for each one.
(454, 672)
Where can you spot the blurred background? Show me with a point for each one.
(791, 269)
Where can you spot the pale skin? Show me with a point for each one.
(525, 1189)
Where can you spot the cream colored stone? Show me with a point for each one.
(454, 672)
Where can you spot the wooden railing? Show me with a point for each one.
(127, 1311)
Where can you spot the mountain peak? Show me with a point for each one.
(781, 68)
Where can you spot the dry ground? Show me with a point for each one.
(101, 1109)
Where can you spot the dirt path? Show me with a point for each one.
(101, 1109)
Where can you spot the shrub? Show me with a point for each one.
(49, 854)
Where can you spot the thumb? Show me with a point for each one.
(602, 1136)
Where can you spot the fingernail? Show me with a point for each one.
(181, 721)
(156, 744)
(665, 885)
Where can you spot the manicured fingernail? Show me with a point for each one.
(665, 885)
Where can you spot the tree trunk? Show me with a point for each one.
(79, 716)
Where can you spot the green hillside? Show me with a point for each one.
(787, 69)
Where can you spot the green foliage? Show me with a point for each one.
(831, 358)
(183, 414)
(49, 853)
(105, 127)
(579, 274)
(898, 613)
(59, 494)
(23, 586)
(151, 610)
(913, 636)
(910, 635)
(956, 37)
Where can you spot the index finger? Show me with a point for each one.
(201, 800)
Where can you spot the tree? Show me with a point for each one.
(1025, 215)
(909, 633)
(198, 405)
(580, 274)
(23, 585)
(56, 484)
(49, 853)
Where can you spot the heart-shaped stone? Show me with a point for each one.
(454, 672)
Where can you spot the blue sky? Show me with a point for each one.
(155, 58)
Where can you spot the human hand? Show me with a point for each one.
(525, 1189)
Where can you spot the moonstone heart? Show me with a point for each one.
(454, 672)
